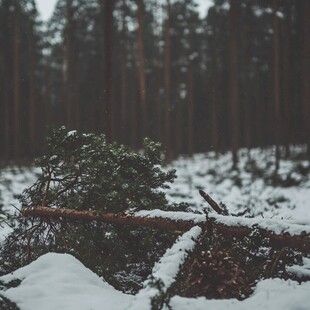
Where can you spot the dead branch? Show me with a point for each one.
(301, 242)
(111, 218)
(211, 202)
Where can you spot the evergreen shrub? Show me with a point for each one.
(85, 172)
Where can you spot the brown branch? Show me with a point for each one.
(211, 202)
(301, 242)
(111, 218)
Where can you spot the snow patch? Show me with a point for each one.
(59, 281)
(269, 294)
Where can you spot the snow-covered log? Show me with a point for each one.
(165, 271)
(111, 218)
(280, 233)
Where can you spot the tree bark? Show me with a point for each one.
(301, 242)
(141, 68)
(16, 83)
(69, 77)
(276, 81)
(108, 72)
(190, 116)
(306, 73)
(123, 125)
(287, 81)
(167, 80)
(32, 121)
(234, 88)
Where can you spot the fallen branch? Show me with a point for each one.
(211, 202)
(229, 226)
(111, 218)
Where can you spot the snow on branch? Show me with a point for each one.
(280, 233)
(165, 271)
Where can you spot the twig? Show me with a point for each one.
(211, 202)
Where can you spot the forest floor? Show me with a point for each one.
(59, 281)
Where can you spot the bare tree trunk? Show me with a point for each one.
(32, 125)
(16, 83)
(276, 81)
(179, 116)
(287, 81)
(214, 109)
(159, 101)
(190, 116)
(247, 84)
(141, 67)
(69, 87)
(48, 114)
(133, 115)
(306, 73)
(167, 80)
(6, 119)
(108, 73)
(234, 88)
(123, 125)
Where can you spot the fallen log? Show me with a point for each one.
(111, 218)
(160, 220)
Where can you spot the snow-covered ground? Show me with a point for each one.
(13, 180)
(245, 190)
(59, 281)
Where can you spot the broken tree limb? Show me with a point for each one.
(211, 202)
(298, 237)
(111, 218)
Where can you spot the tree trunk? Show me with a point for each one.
(287, 81)
(108, 71)
(234, 88)
(32, 121)
(167, 81)
(6, 120)
(306, 73)
(69, 63)
(141, 68)
(190, 115)
(123, 125)
(16, 87)
(234, 229)
(276, 81)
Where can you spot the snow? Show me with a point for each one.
(178, 216)
(270, 294)
(274, 225)
(214, 175)
(13, 180)
(59, 281)
(301, 271)
(166, 269)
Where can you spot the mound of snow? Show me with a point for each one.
(59, 281)
(269, 294)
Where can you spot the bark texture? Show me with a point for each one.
(300, 242)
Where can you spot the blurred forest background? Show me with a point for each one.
(237, 77)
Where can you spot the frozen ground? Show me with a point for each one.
(13, 180)
(59, 281)
(250, 189)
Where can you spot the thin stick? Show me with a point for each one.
(211, 202)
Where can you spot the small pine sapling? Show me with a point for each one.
(85, 172)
